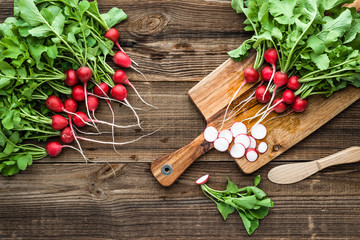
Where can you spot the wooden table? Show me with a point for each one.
(177, 43)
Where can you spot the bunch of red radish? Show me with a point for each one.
(243, 143)
(91, 99)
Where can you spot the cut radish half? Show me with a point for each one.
(243, 139)
(203, 179)
(252, 142)
(263, 147)
(226, 134)
(251, 155)
(237, 150)
(258, 131)
(221, 144)
(238, 128)
(210, 134)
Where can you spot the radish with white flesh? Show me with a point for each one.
(243, 139)
(250, 76)
(119, 92)
(251, 154)
(258, 131)
(237, 150)
(238, 128)
(120, 77)
(203, 179)
(252, 142)
(221, 144)
(210, 134)
(227, 134)
(263, 147)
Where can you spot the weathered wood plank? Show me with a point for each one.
(77, 201)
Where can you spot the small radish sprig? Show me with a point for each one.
(54, 148)
(250, 76)
(250, 202)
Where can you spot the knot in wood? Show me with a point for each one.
(148, 25)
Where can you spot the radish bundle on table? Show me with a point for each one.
(52, 60)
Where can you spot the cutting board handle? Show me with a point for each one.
(169, 167)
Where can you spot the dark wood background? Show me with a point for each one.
(177, 43)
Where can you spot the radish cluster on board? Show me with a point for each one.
(237, 141)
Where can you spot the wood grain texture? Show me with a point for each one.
(64, 198)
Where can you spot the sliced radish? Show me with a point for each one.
(243, 139)
(252, 142)
(237, 150)
(263, 147)
(203, 179)
(227, 134)
(238, 128)
(251, 155)
(258, 131)
(221, 144)
(210, 134)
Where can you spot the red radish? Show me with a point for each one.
(84, 74)
(279, 106)
(251, 155)
(120, 77)
(93, 103)
(203, 179)
(112, 34)
(53, 149)
(70, 78)
(78, 93)
(288, 96)
(251, 75)
(293, 83)
(119, 92)
(54, 104)
(122, 60)
(101, 90)
(299, 105)
(70, 105)
(280, 79)
(266, 73)
(238, 128)
(210, 134)
(271, 56)
(252, 142)
(243, 139)
(227, 134)
(221, 144)
(80, 119)
(263, 147)
(261, 95)
(66, 135)
(58, 122)
(258, 131)
(237, 150)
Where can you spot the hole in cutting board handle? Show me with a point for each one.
(166, 169)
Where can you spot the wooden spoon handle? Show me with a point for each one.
(168, 168)
(349, 155)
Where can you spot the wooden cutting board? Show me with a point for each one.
(211, 96)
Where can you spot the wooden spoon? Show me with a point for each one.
(295, 172)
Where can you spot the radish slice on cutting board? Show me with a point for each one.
(238, 128)
(258, 131)
(243, 139)
(227, 134)
(210, 134)
(251, 155)
(221, 144)
(252, 142)
(263, 147)
(237, 150)
(203, 179)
